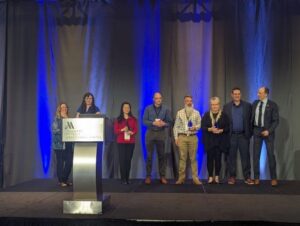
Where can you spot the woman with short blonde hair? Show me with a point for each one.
(215, 125)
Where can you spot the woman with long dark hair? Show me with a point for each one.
(63, 150)
(125, 127)
(88, 105)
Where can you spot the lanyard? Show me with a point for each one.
(188, 118)
(157, 112)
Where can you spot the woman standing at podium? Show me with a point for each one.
(88, 105)
(63, 150)
(125, 127)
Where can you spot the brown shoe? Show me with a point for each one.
(256, 181)
(179, 181)
(249, 181)
(163, 180)
(274, 183)
(231, 180)
(196, 181)
(148, 180)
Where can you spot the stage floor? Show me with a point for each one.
(41, 198)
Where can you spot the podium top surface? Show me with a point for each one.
(90, 116)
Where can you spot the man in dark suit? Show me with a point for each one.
(239, 113)
(265, 118)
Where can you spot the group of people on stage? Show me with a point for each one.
(226, 130)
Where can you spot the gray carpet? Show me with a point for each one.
(137, 186)
(42, 199)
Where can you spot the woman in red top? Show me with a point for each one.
(125, 128)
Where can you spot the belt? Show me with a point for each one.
(258, 127)
(242, 132)
(187, 135)
(156, 130)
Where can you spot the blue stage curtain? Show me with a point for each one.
(127, 50)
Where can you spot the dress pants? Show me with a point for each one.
(64, 160)
(214, 156)
(257, 145)
(125, 157)
(156, 139)
(238, 142)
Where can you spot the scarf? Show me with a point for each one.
(213, 120)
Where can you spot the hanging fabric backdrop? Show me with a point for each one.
(56, 50)
(3, 7)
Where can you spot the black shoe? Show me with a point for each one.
(123, 182)
(128, 182)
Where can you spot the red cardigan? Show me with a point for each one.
(132, 124)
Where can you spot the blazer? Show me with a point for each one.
(57, 134)
(150, 115)
(271, 116)
(211, 140)
(132, 125)
(247, 115)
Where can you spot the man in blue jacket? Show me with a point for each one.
(156, 117)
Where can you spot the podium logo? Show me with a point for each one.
(69, 125)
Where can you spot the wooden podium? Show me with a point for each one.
(88, 135)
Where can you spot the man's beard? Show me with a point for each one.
(188, 110)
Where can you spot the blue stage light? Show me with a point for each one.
(147, 56)
(44, 123)
(257, 57)
(46, 85)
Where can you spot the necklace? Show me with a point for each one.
(213, 120)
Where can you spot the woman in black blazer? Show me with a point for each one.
(215, 125)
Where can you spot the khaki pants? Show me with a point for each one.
(188, 145)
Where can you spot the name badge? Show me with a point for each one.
(126, 136)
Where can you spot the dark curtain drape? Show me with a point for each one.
(127, 50)
(3, 26)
